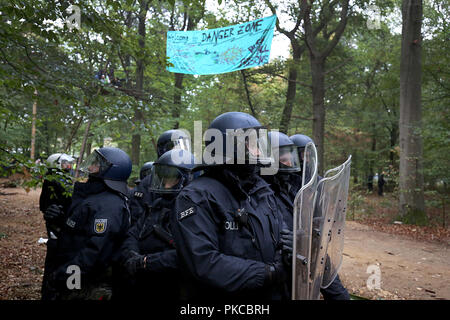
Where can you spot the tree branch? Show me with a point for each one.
(338, 66)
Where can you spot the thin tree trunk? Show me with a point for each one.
(192, 21)
(411, 202)
(88, 148)
(318, 95)
(393, 140)
(247, 92)
(140, 68)
(292, 88)
(177, 98)
(72, 134)
(83, 147)
(33, 128)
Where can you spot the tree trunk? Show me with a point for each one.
(88, 148)
(177, 98)
(411, 202)
(33, 128)
(192, 21)
(72, 134)
(318, 96)
(247, 93)
(291, 90)
(393, 141)
(83, 147)
(140, 68)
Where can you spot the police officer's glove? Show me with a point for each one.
(287, 239)
(275, 274)
(134, 262)
(53, 212)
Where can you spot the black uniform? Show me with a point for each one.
(370, 182)
(285, 194)
(141, 199)
(150, 236)
(54, 192)
(226, 233)
(381, 183)
(95, 228)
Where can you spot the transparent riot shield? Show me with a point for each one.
(303, 213)
(325, 208)
(336, 244)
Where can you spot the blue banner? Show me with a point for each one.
(221, 50)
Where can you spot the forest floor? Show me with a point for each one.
(414, 262)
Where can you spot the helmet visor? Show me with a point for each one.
(166, 179)
(95, 164)
(252, 146)
(66, 164)
(179, 143)
(289, 159)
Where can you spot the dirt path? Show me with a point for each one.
(22, 258)
(410, 269)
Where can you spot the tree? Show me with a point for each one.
(298, 47)
(412, 205)
(331, 34)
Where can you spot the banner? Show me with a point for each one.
(221, 50)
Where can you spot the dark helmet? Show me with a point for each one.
(145, 169)
(300, 140)
(172, 171)
(171, 139)
(112, 165)
(287, 152)
(236, 129)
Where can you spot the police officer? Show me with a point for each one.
(336, 291)
(281, 182)
(381, 183)
(146, 169)
(148, 253)
(141, 197)
(97, 222)
(54, 201)
(226, 224)
(172, 139)
(56, 189)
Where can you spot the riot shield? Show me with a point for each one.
(333, 171)
(303, 213)
(336, 244)
(325, 208)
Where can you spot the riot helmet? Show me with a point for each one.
(300, 140)
(244, 140)
(146, 169)
(173, 139)
(112, 165)
(288, 156)
(172, 171)
(61, 161)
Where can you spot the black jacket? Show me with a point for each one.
(55, 191)
(151, 236)
(141, 199)
(94, 230)
(227, 229)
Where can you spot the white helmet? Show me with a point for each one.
(57, 159)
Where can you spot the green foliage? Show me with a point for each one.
(362, 84)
